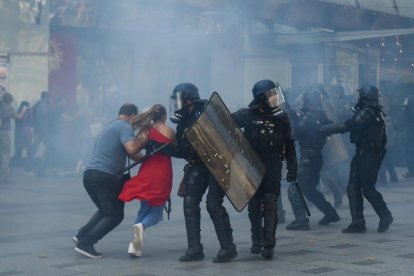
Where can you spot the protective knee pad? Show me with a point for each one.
(215, 209)
(191, 206)
(351, 190)
(254, 204)
(269, 202)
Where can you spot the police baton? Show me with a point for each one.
(146, 157)
(302, 198)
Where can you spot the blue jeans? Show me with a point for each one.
(149, 215)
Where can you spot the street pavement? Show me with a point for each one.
(39, 216)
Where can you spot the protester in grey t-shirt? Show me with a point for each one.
(109, 154)
(114, 143)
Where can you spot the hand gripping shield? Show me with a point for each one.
(232, 161)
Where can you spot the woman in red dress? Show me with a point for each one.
(153, 183)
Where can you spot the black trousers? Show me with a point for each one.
(310, 166)
(103, 189)
(197, 179)
(362, 179)
(262, 207)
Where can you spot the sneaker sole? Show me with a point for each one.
(133, 253)
(87, 254)
(75, 240)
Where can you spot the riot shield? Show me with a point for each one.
(334, 151)
(227, 154)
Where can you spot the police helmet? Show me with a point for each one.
(188, 91)
(368, 93)
(312, 97)
(268, 93)
(262, 86)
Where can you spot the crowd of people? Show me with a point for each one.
(274, 129)
(38, 130)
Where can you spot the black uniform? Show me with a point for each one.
(311, 142)
(196, 180)
(367, 132)
(269, 133)
(408, 126)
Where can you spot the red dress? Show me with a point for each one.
(153, 182)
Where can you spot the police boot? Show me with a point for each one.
(221, 221)
(301, 222)
(380, 207)
(331, 216)
(299, 225)
(355, 227)
(269, 227)
(255, 217)
(192, 223)
(356, 208)
(385, 222)
(226, 254)
(194, 251)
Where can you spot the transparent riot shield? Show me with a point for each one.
(334, 151)
(227, 154)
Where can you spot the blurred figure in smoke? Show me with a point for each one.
(337, 151)
(187, 107)
(267, 128)
(408, 125)
(23, 138)
(311, 141)
(367, 132)
(388, 163)
(2, 91)
(6, 114)
(42, 131)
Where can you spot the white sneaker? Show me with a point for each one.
(138, 239)
(133, 252)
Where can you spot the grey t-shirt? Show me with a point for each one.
(109, 154)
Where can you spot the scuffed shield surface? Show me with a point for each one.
(232, 161)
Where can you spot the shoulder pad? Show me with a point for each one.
(282, 115)
(367, 113)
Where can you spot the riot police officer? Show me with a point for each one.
(268, 129)
(188, 107)
(311, 141)
(408, 126)
(367, 132)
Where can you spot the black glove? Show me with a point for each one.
(291, 177)
(177, 117)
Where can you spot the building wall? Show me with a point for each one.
(24, 39)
